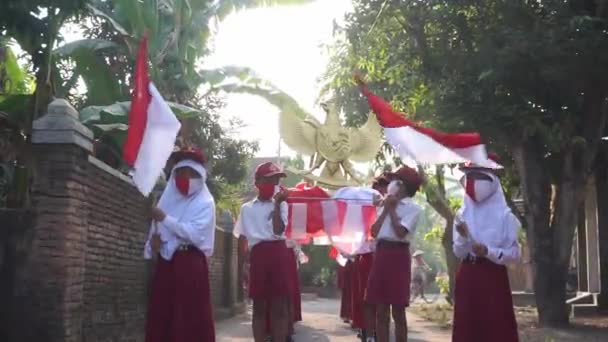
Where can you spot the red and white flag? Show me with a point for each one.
(153, 128)
(342, 220)
(424, 145)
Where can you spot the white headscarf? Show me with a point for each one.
(182, 208)
(489, 220)
(173, 203)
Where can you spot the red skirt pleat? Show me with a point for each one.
(180, 308)
(483, 308)
(294, 285)
(346, 300)
(389, 278)
(363, 265)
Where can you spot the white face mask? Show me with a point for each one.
(196, 185)
(394, 187)
(482, 189)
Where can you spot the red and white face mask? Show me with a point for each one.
(188, 186)
(479, 189)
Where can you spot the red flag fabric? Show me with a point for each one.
(153, 128)
(425, 145)
(140, 101)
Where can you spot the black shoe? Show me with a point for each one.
(290, 339)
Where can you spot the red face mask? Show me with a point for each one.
(265, 191)
(182, 184)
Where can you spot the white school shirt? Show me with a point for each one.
(255, 221)
(408, 213)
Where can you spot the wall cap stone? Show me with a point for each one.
(107, 168)
(60, 125)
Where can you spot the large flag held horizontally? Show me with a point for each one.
(153, 128)
(424, 145)
(342, 220)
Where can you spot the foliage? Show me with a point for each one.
(429, 231)
(325, 278)
(529, 75)
(318, 260)
(443, 283)
(292, 179)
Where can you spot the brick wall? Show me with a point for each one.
(83, 277)
(115, 276)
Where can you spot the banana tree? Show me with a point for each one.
(178, 33)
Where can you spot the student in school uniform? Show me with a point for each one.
(485, 239)
(262, 223)
(364, 314)
(389, 279)
(181, 239)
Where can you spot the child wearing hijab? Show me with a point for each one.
(182, 236)
(485, 239)
(262, 223)
(389, 279)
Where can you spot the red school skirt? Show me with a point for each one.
(296, 299)
(347, 285)
(389, 277)
(269, 270)
(180, 308)
(363, 265)
(483, 309)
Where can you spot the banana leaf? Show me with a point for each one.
(118, 113)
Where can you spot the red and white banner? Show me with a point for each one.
(153, 128)
(342, 220)
(424, 145)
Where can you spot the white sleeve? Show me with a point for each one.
(197, 228)
(284, 212)
(510, 252)
(460, 245)
(408, 217)
(239, 228)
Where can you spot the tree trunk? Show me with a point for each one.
(601, 181)
(550, 232)
(436, 197)
(451, 259)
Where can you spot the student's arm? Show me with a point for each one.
(511, 253)
(379, 221)
(279, 217)
(460, 244)
(404, 219)
(196, 229)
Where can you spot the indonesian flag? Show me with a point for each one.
(153, 128)
(342, 220)
(425, 145)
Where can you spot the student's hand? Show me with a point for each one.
(158, 215)
(390, 202)
(377, 201)
(462, 229)
(281, 196)
(480, 250)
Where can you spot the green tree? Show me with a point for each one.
(529, 75)
(179, 34)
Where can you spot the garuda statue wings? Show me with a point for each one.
(330, 144)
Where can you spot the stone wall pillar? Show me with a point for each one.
(49, 287)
